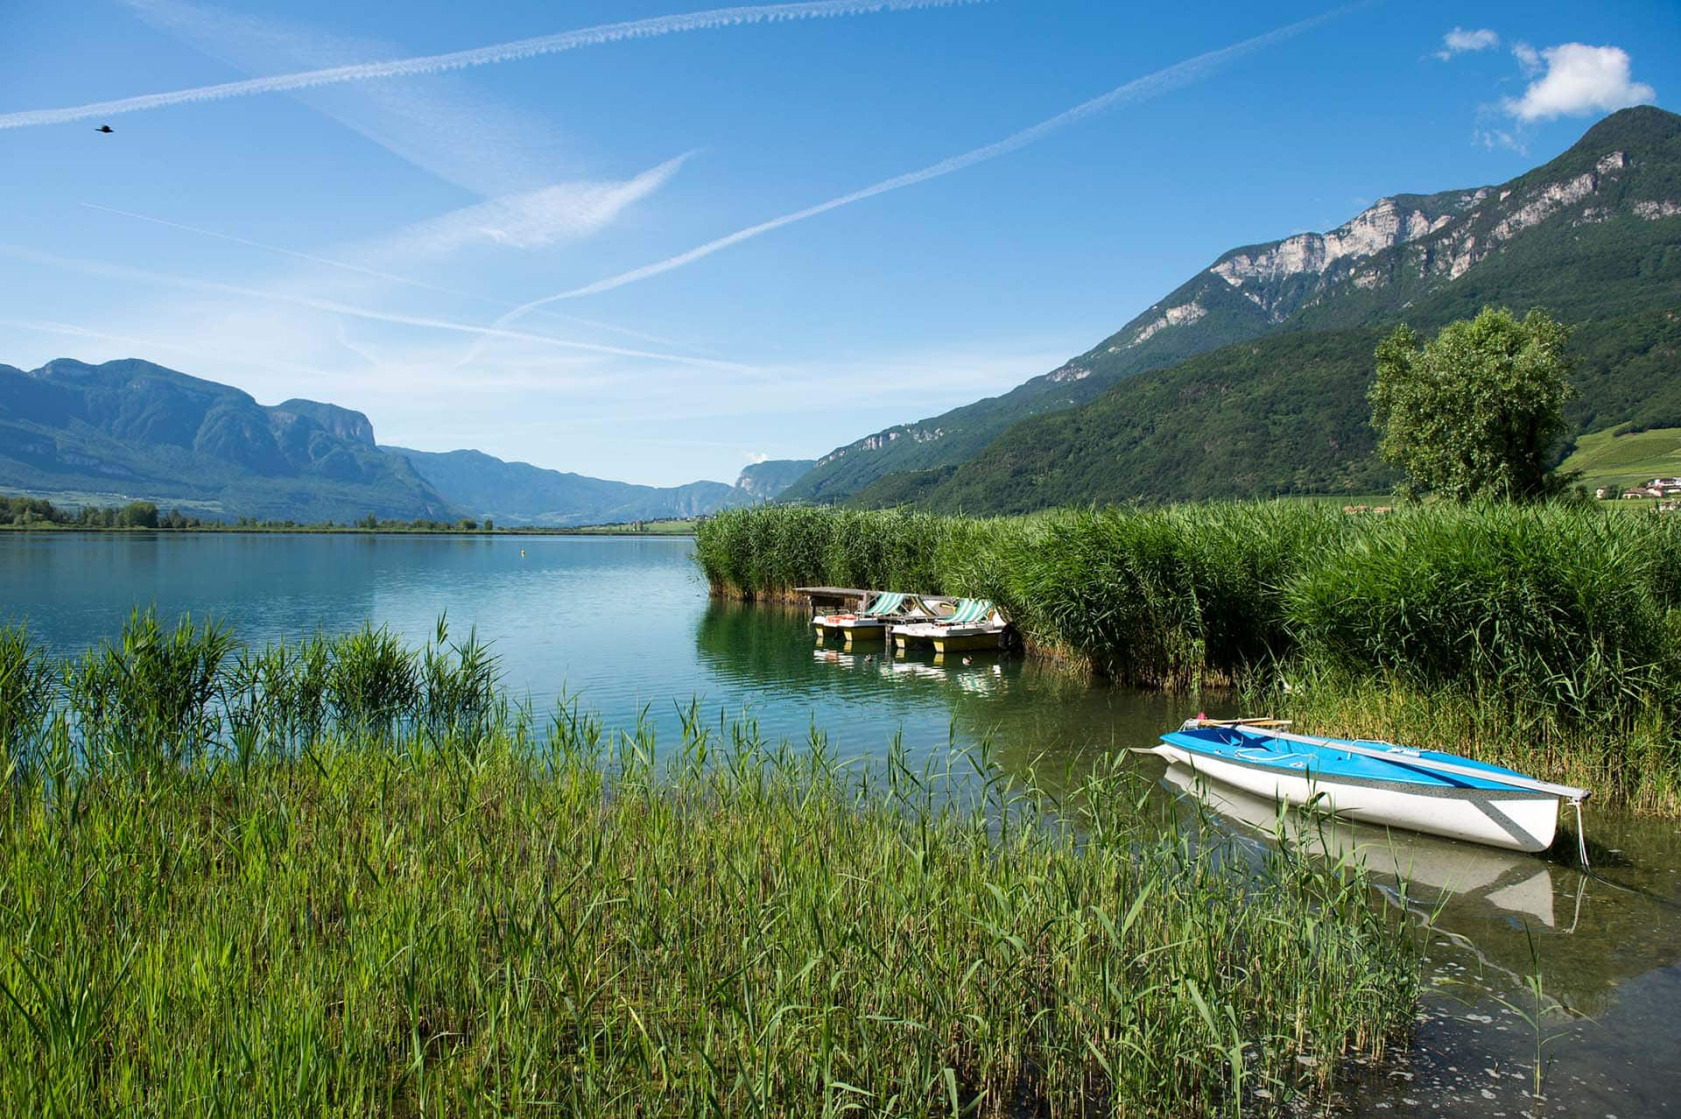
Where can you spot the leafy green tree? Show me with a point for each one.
(1478, 410)
(138, 514)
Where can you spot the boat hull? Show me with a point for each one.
(1512, 819)
(967, 642)
(948, 639)
(850, 631)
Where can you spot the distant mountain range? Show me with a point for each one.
(131, 430)
(1250, 378)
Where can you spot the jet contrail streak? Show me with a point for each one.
(373, 272)
(1140, 89)
(357, 268)
(124, 272)
(478, 56)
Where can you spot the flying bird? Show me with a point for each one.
(105, 128)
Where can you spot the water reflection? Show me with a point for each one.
(1606, 945)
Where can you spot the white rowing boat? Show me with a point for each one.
(1377, 782)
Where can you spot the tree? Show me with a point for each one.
(1478, 410)
(138, 514)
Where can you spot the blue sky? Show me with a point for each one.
(369, 241)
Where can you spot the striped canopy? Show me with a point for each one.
(887, 602)
(969, 611)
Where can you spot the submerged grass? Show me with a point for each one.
(308, 904)
(1548, 637)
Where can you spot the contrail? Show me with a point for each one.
(72, 330)
(478, 56)
(1140, 89)
(373, 272)
(357, 268)
(121, 271)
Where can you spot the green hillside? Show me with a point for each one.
(79, 435)
(1281, 415)
(127, 430)
(1618, 458)
(1594, 236)
(519, 493)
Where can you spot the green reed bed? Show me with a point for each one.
(1549, 637)
(1632, 760)
(441, 906)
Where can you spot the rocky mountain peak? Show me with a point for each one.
(345, 423)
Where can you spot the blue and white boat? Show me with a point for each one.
(1376, 782)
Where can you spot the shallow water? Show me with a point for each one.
(625, 626)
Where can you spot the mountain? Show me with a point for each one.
(765, 480)
(1594, 236)
(519, 493)
(131, 429)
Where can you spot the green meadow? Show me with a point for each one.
(1617, 459)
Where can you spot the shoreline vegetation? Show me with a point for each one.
(39, 515)
(346, 876)
(1546, 638)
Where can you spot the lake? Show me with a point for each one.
(624, 626)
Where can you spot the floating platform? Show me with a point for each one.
(947, 639)
(869, 624)
(968, 625)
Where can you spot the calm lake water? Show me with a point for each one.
(625, 626)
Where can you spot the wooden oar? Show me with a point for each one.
(1241, 722)
(1401, 756)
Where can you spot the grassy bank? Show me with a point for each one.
(345, 878)
(1547, 637)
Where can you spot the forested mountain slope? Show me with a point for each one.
(1594, 236)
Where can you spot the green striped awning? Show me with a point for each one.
(887, 602)
(969, 611)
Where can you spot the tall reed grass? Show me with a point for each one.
(443, 906)
(1560, 616)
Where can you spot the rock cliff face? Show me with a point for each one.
(762, 481)
(1405, 257)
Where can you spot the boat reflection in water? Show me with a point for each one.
(1437, 872)
(980, 678)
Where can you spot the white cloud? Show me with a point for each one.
(1528, 57)
(1492, 138)
(535, 219)
(1461, 41)
(1578, 79)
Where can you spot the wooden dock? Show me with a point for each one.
(826, 599)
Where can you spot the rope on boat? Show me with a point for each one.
(1581, 835)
